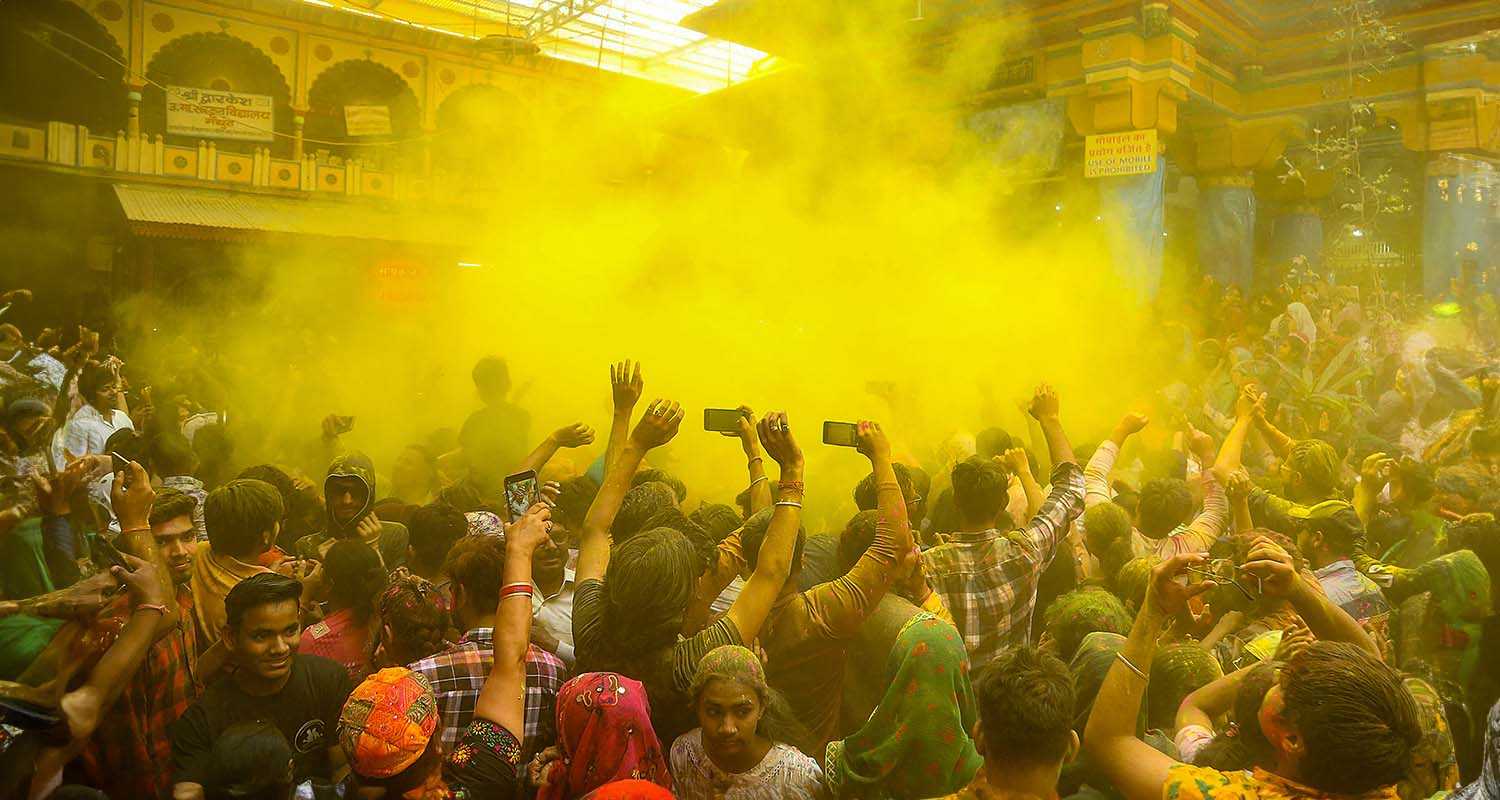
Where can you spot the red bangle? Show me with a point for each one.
(514, 589)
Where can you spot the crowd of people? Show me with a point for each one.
(1272, 580)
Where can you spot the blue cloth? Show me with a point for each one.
(1133, 215)
(1226, 234)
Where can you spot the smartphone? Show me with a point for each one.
(722, 420)
(521, 493)
(841, 434)
(105, 554)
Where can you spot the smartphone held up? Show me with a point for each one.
(841, 434)
(521, 493)
(725, 421)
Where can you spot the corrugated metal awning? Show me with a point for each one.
(179, 212)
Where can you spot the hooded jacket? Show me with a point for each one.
(392, 540)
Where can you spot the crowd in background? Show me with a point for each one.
(1273, 580)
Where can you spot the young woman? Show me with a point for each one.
(355, 579)
(604, 735)
(739, 750)
(411, 624)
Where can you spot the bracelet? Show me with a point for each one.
(792, 486)
(1133, 668)
(135, 530)
(754, 459)
(514, 589)
(157, 607)
(758, 480)
(789, 503)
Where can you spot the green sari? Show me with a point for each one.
(916, 743)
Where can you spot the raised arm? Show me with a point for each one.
(657, 427)
(625, 387)
(1238, 490)
(774, 561)
(1136, 769)
(1374, 474)
(1279, 442)
(1044, 409)
(1096, 474)
(502, 698)
(1279, 578)
(575, 435)
(1206, 527)
(1015, 458)
(1045, 529)
(1207, 703)
(755, 463)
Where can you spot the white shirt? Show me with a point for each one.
(86, 433)
(555, 614)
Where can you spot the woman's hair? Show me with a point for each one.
(1243, 745)
(740, 664)
(409, 607)
(1132, 579)
(355, 577)
(647, 587)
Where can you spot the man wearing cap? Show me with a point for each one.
(1327, 541)
(301, 695)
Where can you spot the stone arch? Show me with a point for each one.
(217, 61)
(358, 82)
(57, 63)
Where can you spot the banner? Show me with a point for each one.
(1127, 153)
(367, 120)
(216, 114)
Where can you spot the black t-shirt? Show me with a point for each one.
(306, 711)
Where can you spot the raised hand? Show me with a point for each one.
(1251, 402)
(1376, 471)
(132, 505)
(1015, 458)
(368, 527)
(746, 431)
(531, 531)
(1273, 567)
(1201, 445)
(575, 435)
(872, 441)
(776, 437)
(1131, 424)
(1166, 595)
(658, 425)
(1294, 641)
(1044, 403)
(1239, 485)
(625, 384)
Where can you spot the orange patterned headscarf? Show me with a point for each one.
(387, 722)
(604, 730)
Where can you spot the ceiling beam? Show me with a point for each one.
(555, 14)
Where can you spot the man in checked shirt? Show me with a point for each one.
(986, 572)
(475, 565)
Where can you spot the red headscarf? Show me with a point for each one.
(630, 790)
(604, 731)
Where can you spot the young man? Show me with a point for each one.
(349, 492)
(1327, 541)
(131, 753)
(1025, 728)
(986, 576)
(301, 695)
(475, 566)
(243, 517)
(1339, 721)
(1160, 528)
(807, 633)
(174, 460)
(494, 438)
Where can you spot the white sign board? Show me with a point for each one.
(1127, 153)
(217, 114)
(367, 120)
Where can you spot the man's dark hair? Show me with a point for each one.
(172, 454)
(979, 489)
(274, 475)
(992, 442)
(1081, 612)
(648, 584)
(171, 504)
(132, 445)
(355, 577)
(856, 538)
(93, 378)
(640, 504)
(679, 489)
(491, 373)
(574, 497)
(1356, 719)
(261, 589)
(1417, 480)
(865, 492)
(718, 519)
(1025, 700)
(238, 515)
(1164, 504)
(476, 563)
(250, 761)
(1340, 531)
(704, 544)
(464, 496)
(433, 529)
(1103, 525)
(754, 534)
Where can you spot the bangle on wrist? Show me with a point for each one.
(758, 480)
(512, 589)
(754, 459)
(1133, 668)
(789, 503)
(157, 607)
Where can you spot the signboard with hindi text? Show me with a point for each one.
(219, 114)
(1124, 153)
(367, 120)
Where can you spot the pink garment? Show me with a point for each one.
(604, 731)
(341, 638)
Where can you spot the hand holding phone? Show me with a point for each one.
(724, 421)
(521, 493)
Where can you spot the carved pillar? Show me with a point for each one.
(1226, 227)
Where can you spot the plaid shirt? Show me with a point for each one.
(988, 579)
(130, 753)
(458, 674)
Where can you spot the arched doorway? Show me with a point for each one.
(217, 61)
(477, 125)
(361, 84)
(57, 63)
